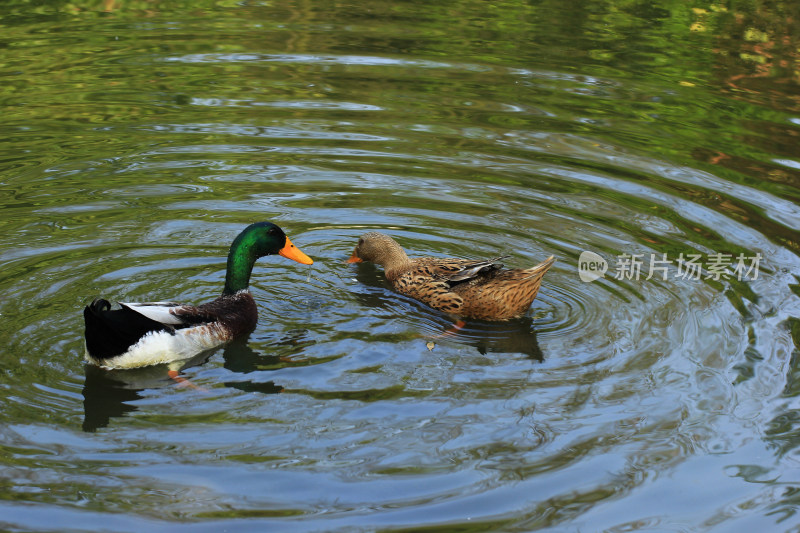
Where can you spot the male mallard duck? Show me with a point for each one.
(142, 334)
(469, 289)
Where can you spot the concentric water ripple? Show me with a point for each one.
(620, 403)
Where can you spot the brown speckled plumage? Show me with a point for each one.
(466, 288)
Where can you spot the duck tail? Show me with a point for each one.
(99, 305)
(539, 270)
(93, 317)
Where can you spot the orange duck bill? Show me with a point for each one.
(290, 251)
(354, 258)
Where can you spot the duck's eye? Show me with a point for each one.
(272, 231)
(360, 242)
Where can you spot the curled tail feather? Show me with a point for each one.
(540, 269)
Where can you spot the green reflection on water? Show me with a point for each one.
(135, 141)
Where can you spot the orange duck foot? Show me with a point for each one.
(183, 382)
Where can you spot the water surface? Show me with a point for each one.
(136, 143)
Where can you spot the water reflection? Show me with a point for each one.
(108, 394)
(106, 397)
(514, 336)
(240, 358)
(546, 128)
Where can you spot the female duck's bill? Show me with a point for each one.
(142, 334)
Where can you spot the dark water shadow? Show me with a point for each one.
(107, 393)
(105, 398)
(514, 336)
(240, 358)
(373, 289)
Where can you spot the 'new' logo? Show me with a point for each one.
(591, 266)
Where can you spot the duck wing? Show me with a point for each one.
(166, 313)
(453, 271)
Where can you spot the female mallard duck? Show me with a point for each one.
(142, 334)
(469, 289)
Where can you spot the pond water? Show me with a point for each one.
(138, 140)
